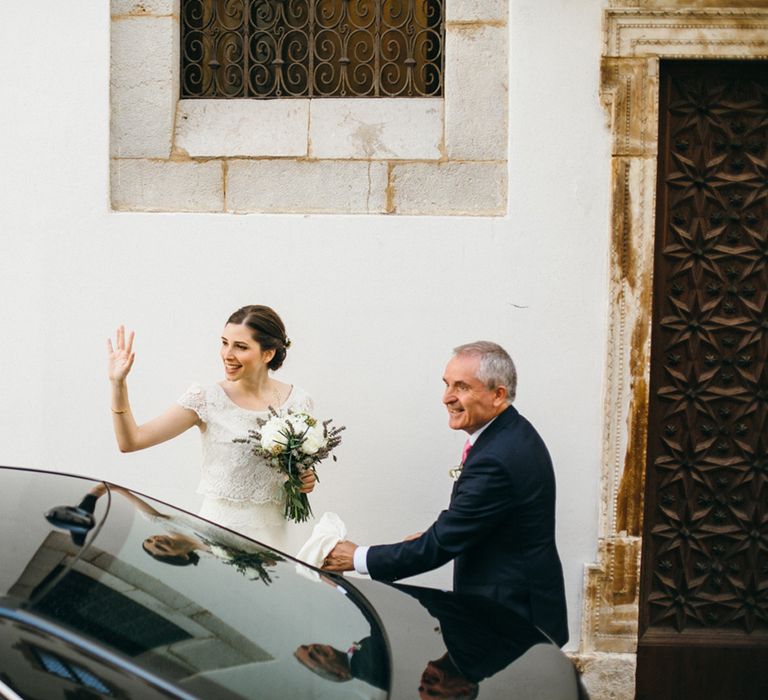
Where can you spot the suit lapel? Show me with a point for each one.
(505, 418)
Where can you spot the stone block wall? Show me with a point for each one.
(421, 156)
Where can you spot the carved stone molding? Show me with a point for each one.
(636, 36)
(611, 596)
(629, 94)
(726, 32)
(612, 585)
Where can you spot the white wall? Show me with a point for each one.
(373, 304)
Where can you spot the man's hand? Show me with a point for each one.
(341, 557)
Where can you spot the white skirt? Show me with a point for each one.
(263, 522)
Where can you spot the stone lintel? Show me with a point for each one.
(709, 32)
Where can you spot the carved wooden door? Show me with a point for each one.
(703, 629)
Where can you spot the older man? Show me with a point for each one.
(500, 524)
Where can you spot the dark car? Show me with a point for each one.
(105, 592)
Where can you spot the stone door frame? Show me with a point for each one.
(636, 36)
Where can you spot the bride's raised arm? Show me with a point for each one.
(130, 435)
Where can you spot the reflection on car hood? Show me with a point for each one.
(104, 588)
(451, 646)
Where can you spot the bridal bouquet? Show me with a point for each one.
(254, 564)
(294, 442)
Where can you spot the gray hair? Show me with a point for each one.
(496, 367)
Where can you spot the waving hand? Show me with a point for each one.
(120, 357)
(131, 436)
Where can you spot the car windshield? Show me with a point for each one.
(214, 613)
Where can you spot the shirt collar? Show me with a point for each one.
(473, 437)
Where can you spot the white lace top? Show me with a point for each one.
(230, 469)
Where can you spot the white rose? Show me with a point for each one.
(298, 422)
(219, 552)
(271, 436)
(313, 440)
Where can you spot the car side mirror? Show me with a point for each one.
(73, 518)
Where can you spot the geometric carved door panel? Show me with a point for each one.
(703, 628)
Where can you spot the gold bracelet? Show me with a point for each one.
(124, 410)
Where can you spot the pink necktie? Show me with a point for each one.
(467, 448)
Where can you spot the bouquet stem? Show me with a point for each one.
(297, 506)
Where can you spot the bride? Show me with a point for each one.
(240, 490)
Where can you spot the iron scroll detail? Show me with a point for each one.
(312, 48)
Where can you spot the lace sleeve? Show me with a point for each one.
(194, 399)
(306, 404)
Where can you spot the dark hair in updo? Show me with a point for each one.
(267, 329)
(191, 559)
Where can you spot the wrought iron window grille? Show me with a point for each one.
(312, 48)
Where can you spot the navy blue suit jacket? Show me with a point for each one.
(499, 528)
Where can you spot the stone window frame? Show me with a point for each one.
(637, 35)
(426, 156)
